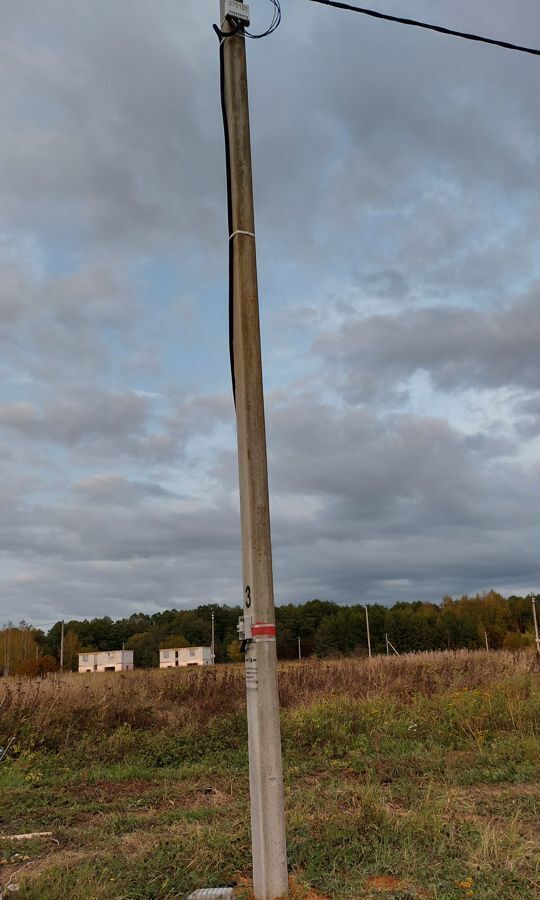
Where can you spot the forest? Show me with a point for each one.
(319, 628)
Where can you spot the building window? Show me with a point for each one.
(165, 654)
(192, 651)
(85, 657)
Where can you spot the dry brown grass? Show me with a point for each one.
(415, 777)
(71, 704)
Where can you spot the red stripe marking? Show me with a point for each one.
(263, 628)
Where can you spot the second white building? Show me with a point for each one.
(185, 656)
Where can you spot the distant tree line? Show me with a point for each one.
(324, 628)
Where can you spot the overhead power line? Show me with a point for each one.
(461, 34)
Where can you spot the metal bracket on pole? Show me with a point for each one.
(245, 631)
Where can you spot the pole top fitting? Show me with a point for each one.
(234, 11)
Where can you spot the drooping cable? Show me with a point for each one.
(238, 28)
(461, 34)
(276, 19)
(229, 201)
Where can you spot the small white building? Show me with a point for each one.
(106, 661)
(185, 656)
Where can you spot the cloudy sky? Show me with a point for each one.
(396, 188)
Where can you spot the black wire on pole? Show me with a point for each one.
(238, 28)
(229, 203)
(461, 34)
(276, 19)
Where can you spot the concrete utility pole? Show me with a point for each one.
(5, 670)
(270, 879)
(535, 620)
(62, 647)
(387, 646)
(486, 639)
(368, 634)
(299, 649)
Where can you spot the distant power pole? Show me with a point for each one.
(367, 631)
(299, 649)
(5, 634)
(535, 620)
(213, 644)
(257, 627)
(62, 647)
(387, 646)
(486, 639)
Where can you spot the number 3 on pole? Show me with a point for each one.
(248, 596)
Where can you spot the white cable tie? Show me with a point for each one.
(249, 233)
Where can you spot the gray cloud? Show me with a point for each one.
(91, 424)
(409, 132)
(61, 328)
(397, 471)
(105, 148)
(362, 506)
(459, 347)
(397, 235)
(122, 491)
(89, 415)
(360, 502)
(528, 417)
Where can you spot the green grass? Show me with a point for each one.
(440, 792)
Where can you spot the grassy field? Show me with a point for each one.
(409, 777)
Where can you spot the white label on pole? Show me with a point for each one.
(252, 681)
(236, 10)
